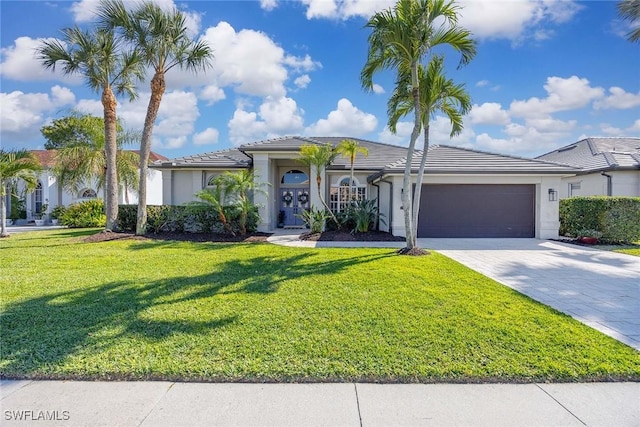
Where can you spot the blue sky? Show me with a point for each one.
(547, 73)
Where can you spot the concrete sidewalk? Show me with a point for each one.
(72, 403)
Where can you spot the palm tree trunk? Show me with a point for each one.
(319, 182)
(111, 178)
(418, 190)
(3, 210)
(351, 183)
(406, 182)
(158, 87)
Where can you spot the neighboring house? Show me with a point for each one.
(467, 193)
(608, 167)
(50, 193)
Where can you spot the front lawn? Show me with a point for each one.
(146, 309)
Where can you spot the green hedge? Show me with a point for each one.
(85, 214)
(618, 218)
(185, 219)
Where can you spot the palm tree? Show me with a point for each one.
(349, 149)
(437, 93)
(402, 38)
(629, 10)
(162, 41)
(16, 165)
(106, 68)
(80, 164)
(240, 184)
(318, 157)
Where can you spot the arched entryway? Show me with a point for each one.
(294, 198)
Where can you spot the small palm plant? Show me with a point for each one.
(363, 214)
(15, 166)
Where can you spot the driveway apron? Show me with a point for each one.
(599, 288)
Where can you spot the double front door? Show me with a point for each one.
(292, 202)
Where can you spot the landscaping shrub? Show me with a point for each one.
(361, 216)
(85, 214)
(191, 218)
(617, 218)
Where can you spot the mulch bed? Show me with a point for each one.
(345, 236)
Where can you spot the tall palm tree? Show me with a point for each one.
(437, 94)
(401, 38)
(629, 10)
(162, 41)
(318, 157)
(16, 165)
(106, 68)
(349, 149)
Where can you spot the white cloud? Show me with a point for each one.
(172, 143)
(303, 81)
(207, 136)
(250, 61)
(177, 115)
(635, 127)
(321, 8)
(377, 89)
(212, 94)
(25, 112)
(84, 11)
(268, 4)
(19, 62)
(345, 120)
(489, 113)
(401, 137)
(276, 117)
(618, 99)
(548, 124)
(563, 94)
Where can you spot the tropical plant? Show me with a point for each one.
(401, 38)
(314, 219)
(161, 39)
(629, 10)
(15, 165)
(318, 157)
(107, 69)
(58, 211)
(437, 94)
(240, 186)
(349, 149)
(89, 213)
(86, 162)
(362, 215)
(74, 129)
(215, 197)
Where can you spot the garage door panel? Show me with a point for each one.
(470, 210)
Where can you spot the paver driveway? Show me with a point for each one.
(598, 288)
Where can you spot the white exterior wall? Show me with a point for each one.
(547, 214)
(624, 183)
(155, 190)
(262, 175)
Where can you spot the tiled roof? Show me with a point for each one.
(443, 159)
(599, 154)
(379, 153)
(226, 159)
(48, 157)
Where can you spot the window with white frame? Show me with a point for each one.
(574, 189)
(339, 194)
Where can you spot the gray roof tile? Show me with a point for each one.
(447, 159)
(598, 154)
(225, 159)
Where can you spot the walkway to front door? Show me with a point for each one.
(292, 202)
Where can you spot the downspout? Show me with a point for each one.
(377, 203)
(390, 204)
(609, 183)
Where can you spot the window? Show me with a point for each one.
(295, 176)
(212, 181)
(88, 194)
(37, 198)
(339, 195)
(574, 189)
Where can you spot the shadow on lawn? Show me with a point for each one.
(40, 333)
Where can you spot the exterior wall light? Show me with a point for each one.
(553, 195)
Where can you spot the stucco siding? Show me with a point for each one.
(623, 183)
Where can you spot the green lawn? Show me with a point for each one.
(257, 312)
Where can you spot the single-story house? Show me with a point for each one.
(49, 193)
(608, 167)
(467, 193)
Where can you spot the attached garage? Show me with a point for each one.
(477, 210)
